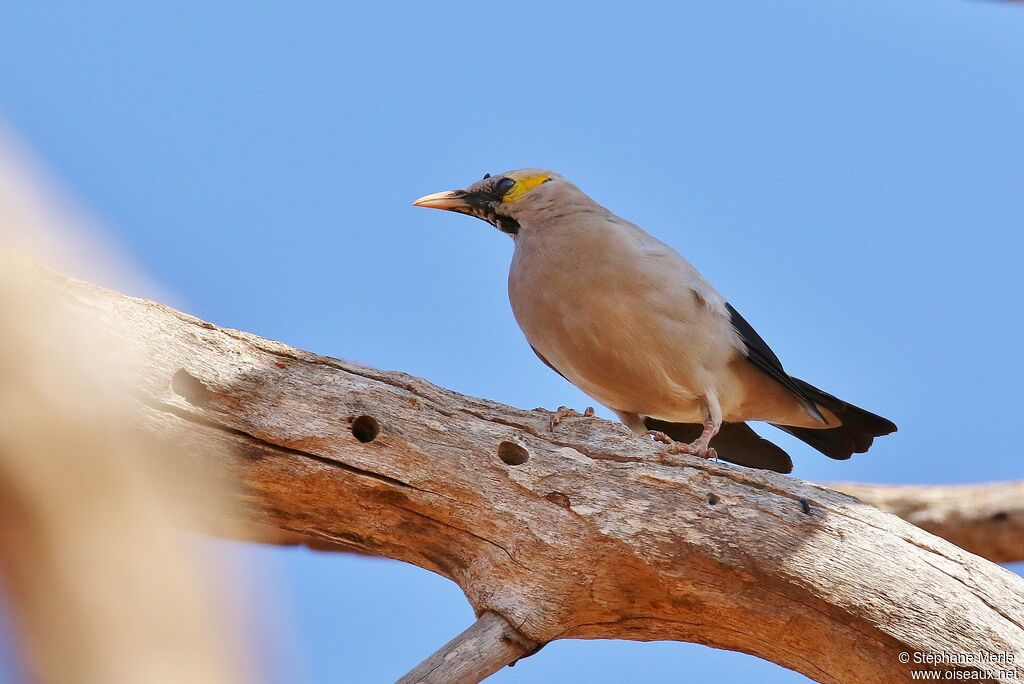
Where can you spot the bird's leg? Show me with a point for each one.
(698, 447)
(564, 412)
(712, 414)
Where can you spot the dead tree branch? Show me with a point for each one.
(986, 519)
(578, 533)
(487, 646)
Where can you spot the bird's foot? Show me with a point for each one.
(564, 412)
(659, 436)
(697, 448)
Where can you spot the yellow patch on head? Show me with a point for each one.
(524, 184)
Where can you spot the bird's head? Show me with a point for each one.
(504, 199)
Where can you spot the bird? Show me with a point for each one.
(630, 322)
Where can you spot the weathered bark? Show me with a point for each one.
(986, 519)
(577, 533)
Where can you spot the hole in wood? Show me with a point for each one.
(512, 454)
(559, 499)
(190, 388)
(365, 428)
(712, 499)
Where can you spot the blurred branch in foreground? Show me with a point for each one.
(101, 584)
(577, 533)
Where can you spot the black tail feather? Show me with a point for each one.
(735, 442)
(858, 430)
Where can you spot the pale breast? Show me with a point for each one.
(619, 322)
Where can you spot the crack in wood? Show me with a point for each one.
(325, 460)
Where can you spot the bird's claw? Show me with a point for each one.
(564, 412)
(659, 436)
(697, 448)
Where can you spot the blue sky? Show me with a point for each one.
(849, 174)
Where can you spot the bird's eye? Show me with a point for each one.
(486, 176)
(502, 187)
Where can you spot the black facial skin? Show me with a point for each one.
(482, 199)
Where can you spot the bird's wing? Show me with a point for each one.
(760, 354)
(546, 362)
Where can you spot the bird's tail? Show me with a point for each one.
(857, 431)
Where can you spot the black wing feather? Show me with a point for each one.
(762, 356)
(857, 430)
